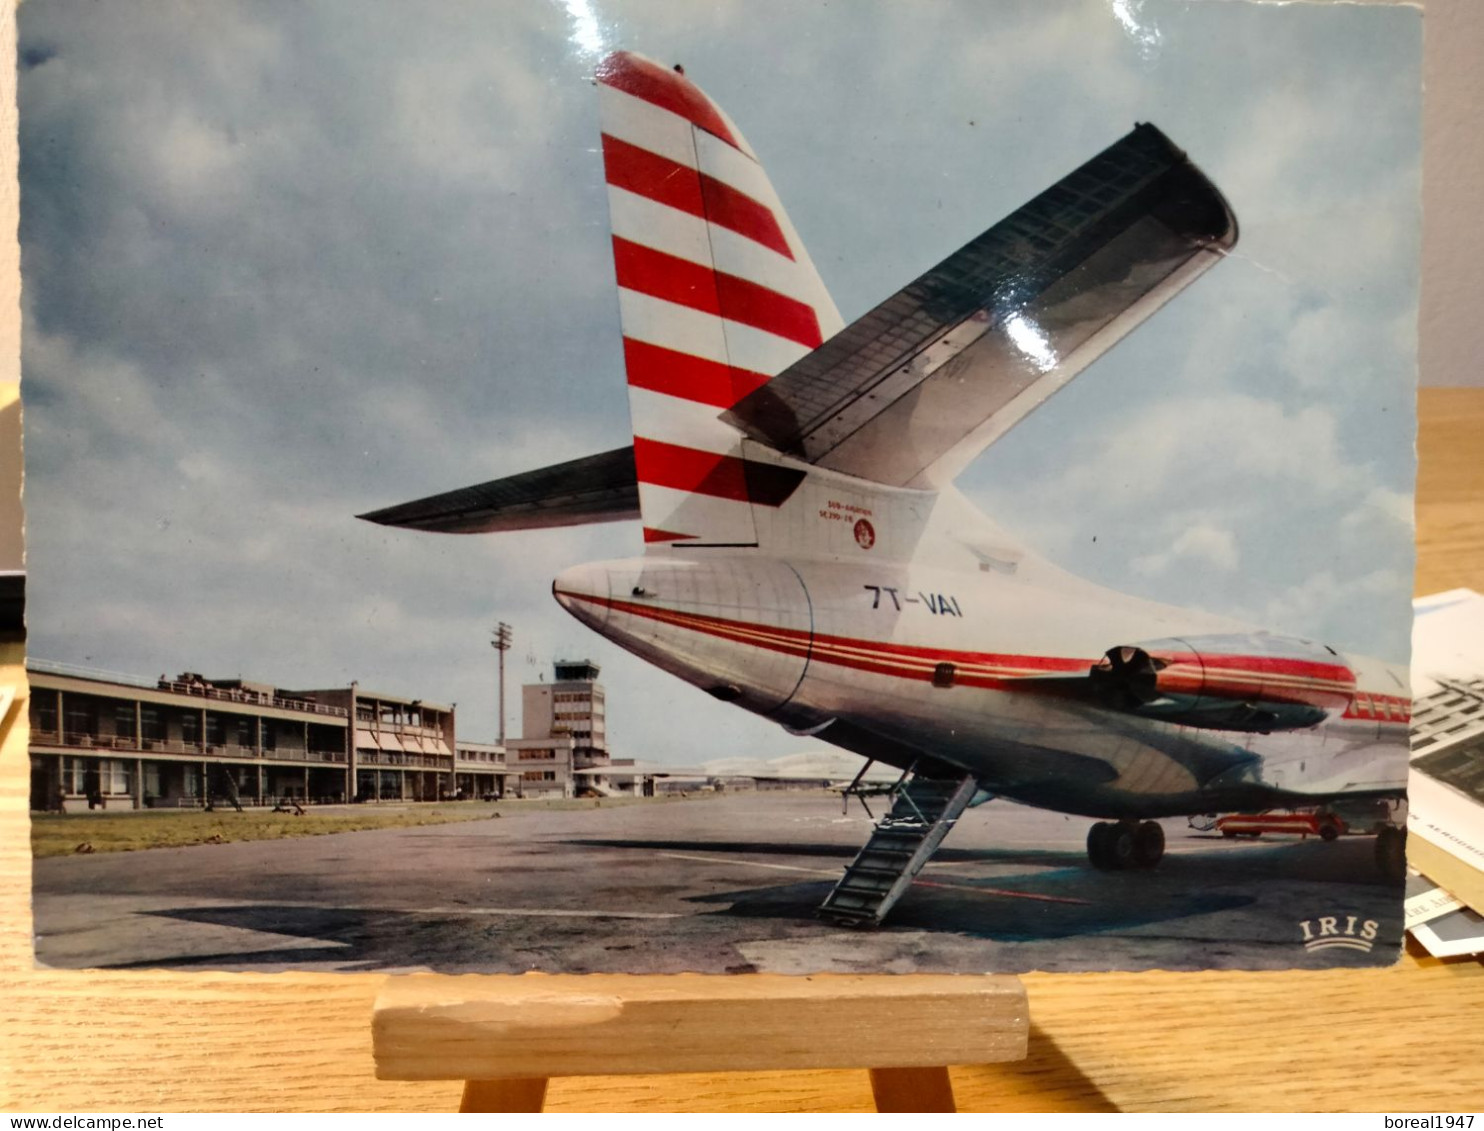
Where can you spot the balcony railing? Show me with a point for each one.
(406, 761)
(185, 687)
(250, 698)
(367, 722)
(331, 756)
(104, 744)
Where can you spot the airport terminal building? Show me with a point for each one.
(101, 740)
(108, 741)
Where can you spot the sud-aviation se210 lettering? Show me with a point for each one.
(808, 558)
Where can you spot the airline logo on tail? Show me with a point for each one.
(716, 295)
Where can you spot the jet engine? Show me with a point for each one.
(1257, 682)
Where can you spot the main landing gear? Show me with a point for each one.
(1115, 845)
(1391, 853)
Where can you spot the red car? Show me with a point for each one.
(1324, 825)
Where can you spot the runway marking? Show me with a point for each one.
(1004, 891)
(547, 912)
(534, 912)
(920, 882)
(754, 864)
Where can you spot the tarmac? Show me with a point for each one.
(714, 883)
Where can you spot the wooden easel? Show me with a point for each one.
(505, 1036)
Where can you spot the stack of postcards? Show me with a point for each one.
(1445, 897)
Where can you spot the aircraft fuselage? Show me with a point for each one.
(900, 661)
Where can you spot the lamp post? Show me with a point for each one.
(501, 644)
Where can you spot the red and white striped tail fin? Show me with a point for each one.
(716, 295)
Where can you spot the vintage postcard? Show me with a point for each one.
(1440, 922)
(611, 487)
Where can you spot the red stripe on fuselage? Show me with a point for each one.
(1285, 679)
(677, 374)
(1376, 708)
(678, 186)
(668, 277)
(665, 89)
(1191, 679)
(904, 661)
(1267, 665)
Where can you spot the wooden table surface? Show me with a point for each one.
(1406, 1039)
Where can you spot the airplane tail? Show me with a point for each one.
(716, 296)
(746, 390)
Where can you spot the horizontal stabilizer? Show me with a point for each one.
(909, 393)
(600, 488)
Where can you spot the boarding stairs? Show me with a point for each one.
(923, 810)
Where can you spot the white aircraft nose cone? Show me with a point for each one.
(584, 592)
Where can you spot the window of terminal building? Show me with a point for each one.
(216, 729)
(151, 724)
(123, 720)
(190, 727)
(107, 776)
(44, 713)
(116, 777)
(73, 775)
(82, 717)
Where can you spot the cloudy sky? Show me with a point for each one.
(284, 263)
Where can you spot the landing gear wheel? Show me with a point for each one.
(1329, 831)
(1113, 845)
(1121, 844)
(1149, 844)
(1391, 854)
(1099, 849)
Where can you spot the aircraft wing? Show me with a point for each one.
(600, 488)
(910, 393)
